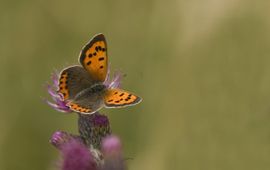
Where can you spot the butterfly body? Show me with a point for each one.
(84, 88)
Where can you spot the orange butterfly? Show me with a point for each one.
(86, 88)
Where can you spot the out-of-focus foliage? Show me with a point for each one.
(202, 68)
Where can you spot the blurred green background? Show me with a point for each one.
(202, 68)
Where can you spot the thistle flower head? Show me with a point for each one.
(76, 156)
(112, 152)
(93, 128)
(60, 138)
(59, 104)
(111, 146)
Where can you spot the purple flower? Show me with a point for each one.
(111, 146)
(94, 149)
(76, 156)
(59, 103)
(112, 153)
(60, 138)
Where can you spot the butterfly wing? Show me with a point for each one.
(87, 105)
(120, 98)
(89, 100)
(94, 58)
(80, 109)
(73, 80)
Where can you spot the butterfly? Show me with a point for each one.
(83, 86)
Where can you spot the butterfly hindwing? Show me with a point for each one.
(77, 108)
(94, 58)
(88, 100)
(72, 80)
(120, 98)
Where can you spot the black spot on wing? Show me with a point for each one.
(101, 58)
(88, 63)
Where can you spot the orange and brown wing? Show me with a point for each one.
(63, 89)
(73, 80)
(80, 109)
(94, 58)
(120, 98)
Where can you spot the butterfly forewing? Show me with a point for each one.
(94, 58)
(73, 80)
(120, 98)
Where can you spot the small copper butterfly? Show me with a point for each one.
(82, 86)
